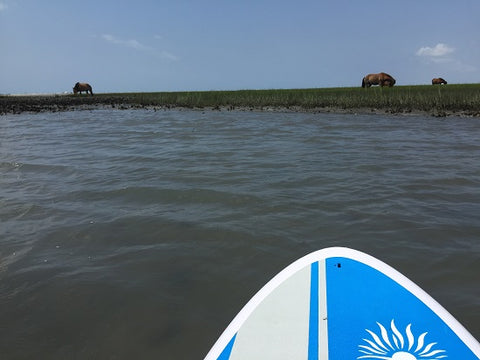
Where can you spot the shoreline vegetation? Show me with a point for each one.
(438, 100)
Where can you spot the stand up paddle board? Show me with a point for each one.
(342, 304)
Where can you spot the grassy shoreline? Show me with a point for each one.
(461, 99)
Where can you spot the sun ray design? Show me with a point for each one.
(396, 345)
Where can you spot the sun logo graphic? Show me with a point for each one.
(398, 346)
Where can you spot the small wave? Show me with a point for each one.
(14, 210)
(6, 260)
(152, 195)
(11, 165)
(40, 168)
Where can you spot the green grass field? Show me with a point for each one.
(426, 98)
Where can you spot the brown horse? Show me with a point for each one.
(438, 81)
(80, 87)
(381, 79)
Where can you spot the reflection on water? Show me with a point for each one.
(134, 233)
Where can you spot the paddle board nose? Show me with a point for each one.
(338, 303)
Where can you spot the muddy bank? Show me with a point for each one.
(16, 104)
(41, 103)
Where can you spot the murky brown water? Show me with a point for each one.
(140, 234)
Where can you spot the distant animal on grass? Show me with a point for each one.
(439, 81)
(381, 79)
(80, 87)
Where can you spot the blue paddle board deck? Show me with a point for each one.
(342, 304)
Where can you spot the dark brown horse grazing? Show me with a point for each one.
(438, 81)
(80, 87)
(381, 79)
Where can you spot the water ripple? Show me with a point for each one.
(114, 212)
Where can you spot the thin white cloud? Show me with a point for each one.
(3, 6)
(167, 55)
(134, 44)
(438, 51)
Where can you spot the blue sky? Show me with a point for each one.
(176, 45)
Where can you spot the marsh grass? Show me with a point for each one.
(428, 98)
(436, 100)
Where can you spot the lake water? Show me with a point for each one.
(141, 234)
